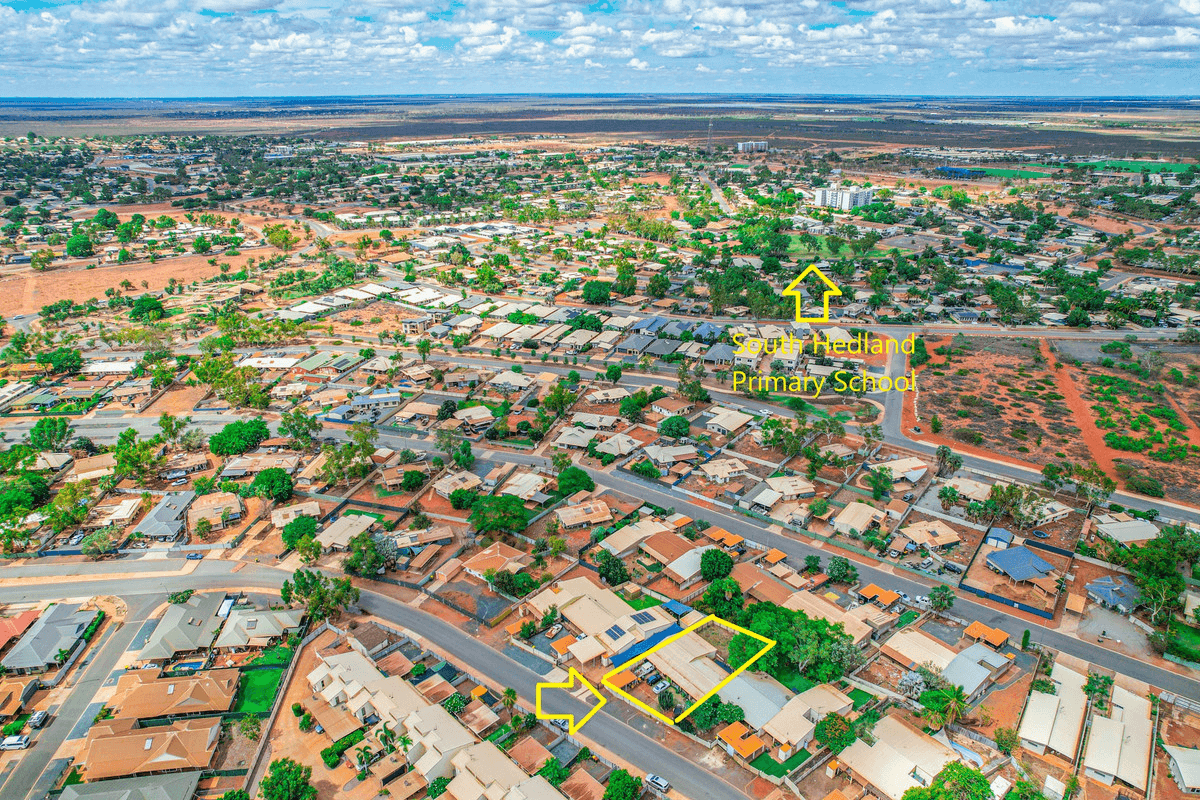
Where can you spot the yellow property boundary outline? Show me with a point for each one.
(606, 680)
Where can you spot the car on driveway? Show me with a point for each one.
(553, 631)
(38, 719)
(657, 782)
(658, 687)
(194, 556)
(14, 743)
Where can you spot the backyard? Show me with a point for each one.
(257, 691)
(764, 763)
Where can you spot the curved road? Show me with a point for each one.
(145, 593)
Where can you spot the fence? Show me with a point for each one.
(1007, 602)
(1037, 545)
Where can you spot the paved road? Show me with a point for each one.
(30, 775)
(964, 607)
(144, 593)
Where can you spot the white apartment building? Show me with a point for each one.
(844, 199)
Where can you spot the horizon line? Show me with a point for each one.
(680, 94)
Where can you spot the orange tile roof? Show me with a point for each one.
(885, 596)
(560, 645)
(993, 636)
(774, 556)
(514, 629)
(743, 742)
(623, 679)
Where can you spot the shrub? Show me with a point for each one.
(1006, 740)
(297, 710)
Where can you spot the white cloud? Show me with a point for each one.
(638, 64)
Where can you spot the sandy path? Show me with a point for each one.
(1081, 410)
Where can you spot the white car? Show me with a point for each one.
(657, 782)
(14, 743)
(553, 631)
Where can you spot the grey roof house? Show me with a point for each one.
(184, 628)
(167, 521)
(1114, 592)
(168, 786)
(59, 628)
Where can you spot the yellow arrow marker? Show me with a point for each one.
(569, 685)
(793, 290)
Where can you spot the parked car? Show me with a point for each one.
(645, 669)
(657, 782)
(15, 743)
(908, 496)
(179, 482)
(553, 631)
(38, 719)
(950, 565)
(904, 595)
(1041, 534)
(922, 600)
(194, 556)
(926, 564)
(658, 687)
(561, 724)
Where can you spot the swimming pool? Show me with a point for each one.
(192, 665)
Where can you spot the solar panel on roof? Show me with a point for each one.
(642, 617)
(615, 632)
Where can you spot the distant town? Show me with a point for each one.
(329, 463)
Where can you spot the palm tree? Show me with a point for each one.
(956, 705)
(509, 698)
(362, 755)
(387, 738)
(405, 741)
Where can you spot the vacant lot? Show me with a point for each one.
(1001, 395)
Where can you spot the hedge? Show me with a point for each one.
(332, 755)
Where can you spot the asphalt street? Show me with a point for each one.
(30, 776)
(144, 593)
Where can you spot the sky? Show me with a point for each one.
(189, 48)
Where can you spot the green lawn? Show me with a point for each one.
(859, 697)
(1015, 173)
(795, 681)
(500, 732)
(765, 763)
(276, 654)
(257, 691)
(1138, 166)
(907, 617)
(644, 602)
(73, 778)
(16, 725)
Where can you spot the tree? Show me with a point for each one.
(1006, 740)
(724, 598)
(612, 569)
(623, 786)
(834, 732)
(236, 794)
(139, 459)
(172, 427)
(554, 772)
(675, 427)
(597, 292)
(502, 514)
(147, 308)
(666, 699)
(300, 427)
(461, 499)
(812, 564)
(365, 558)
(203, 527)
(79, 246)
(819, 507)
(612, 373)
(69, 507)
(297, 529)
(413, 479)
(508, 698)
(61, 360)
(424, 348)
(715, 564)
(880, 481)
(239, 437)
(941, 598)
(437, 788)
(840, 570)
(948, 495)
(324, 597)
(273, 482)
(455, 704)
(956, 781)
(287, 780)
(98, 543)
(50, 434)
(573, 479)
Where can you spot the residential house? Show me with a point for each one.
(726, 421)
(723, 470)
(49, 640)
(337, 534)
(142, 694)
(185, 628)
(1022, 565)
(219, 508)
(175, 786)
(1120, 746)
(118, 748)
(858, 517)
(166, 521)
(1054, 722)
(254, 628)
(901, 758)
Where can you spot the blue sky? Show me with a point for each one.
(184, 48)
